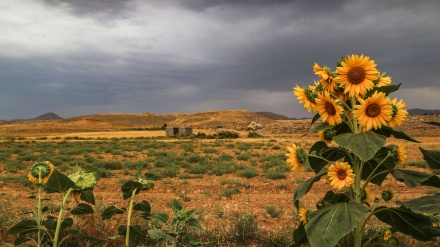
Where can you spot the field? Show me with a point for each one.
(241, 188)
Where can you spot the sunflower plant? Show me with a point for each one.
(129, 191)
(52, 231)
(356, 117)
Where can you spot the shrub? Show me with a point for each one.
(244, 156)
(229, 192)
(228, 135)
(275, 175)
(273, 211)
(254, 135)
(249, 172)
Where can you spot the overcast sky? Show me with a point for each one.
(78, 57)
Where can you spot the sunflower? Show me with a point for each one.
(357, 74)
(401, 155)
(296, 157)
(382, 80)
(387, 195)
(399, 114)
(326, 135)
(328, 109)
(373, 112)
(327, 78)
(83, 180)
(366, 196)
(303, 215)
(387, 234)
(340, 175)
(43, 169)
(306, 96)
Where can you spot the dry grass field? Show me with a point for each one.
(253, 181)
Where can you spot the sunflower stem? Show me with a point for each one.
(130, 210)
(39, 209)
(60, 216)
(358, 199)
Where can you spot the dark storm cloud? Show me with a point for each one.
(84, 57)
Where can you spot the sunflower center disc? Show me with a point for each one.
(341, 174)
(356, 75)
(329, 108)
(373, 110)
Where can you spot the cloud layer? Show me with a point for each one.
(80, 57)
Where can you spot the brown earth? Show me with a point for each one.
(204, 193)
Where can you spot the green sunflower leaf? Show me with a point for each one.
(385, 89)
(82, 208)
(315, 118)
(161, 217)
(299, 236)
(424, 204)
(110, 212)
(432, 157)
(319, 147)
(364, 145)
(303, 188)
(59, 182)
(159, 235)
(135, 230)
(128, 188)
(399, 134)
(328, 225)
(414, 178)
(24, 226)
(318, 127)
(317, 162)
(143, 206)
(21, 240)
(95, 241)
(404, 220)
(87, 196)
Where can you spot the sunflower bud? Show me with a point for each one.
(83, 180)
(146, 184)
(387, 195)
(326, 135)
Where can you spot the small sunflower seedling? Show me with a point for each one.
(129, 190)
(177, 233)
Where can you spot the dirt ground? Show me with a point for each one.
(203, 194)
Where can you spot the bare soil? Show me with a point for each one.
(204, 194)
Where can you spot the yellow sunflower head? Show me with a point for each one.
(356, 74)
(340, 175)
(373, 112)
(366, 196)
(400, 155)
(326, 135)
(296, 157)
(40, 169)
(327, 78)
(399, 114)
(382, 80)
(387, 234)
(387, 195)
(303, 215)
(329, 109)
(305, 96)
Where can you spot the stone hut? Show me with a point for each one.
(179, 131)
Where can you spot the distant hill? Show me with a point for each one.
(418, 111)
(272, 115)
(47, 116)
